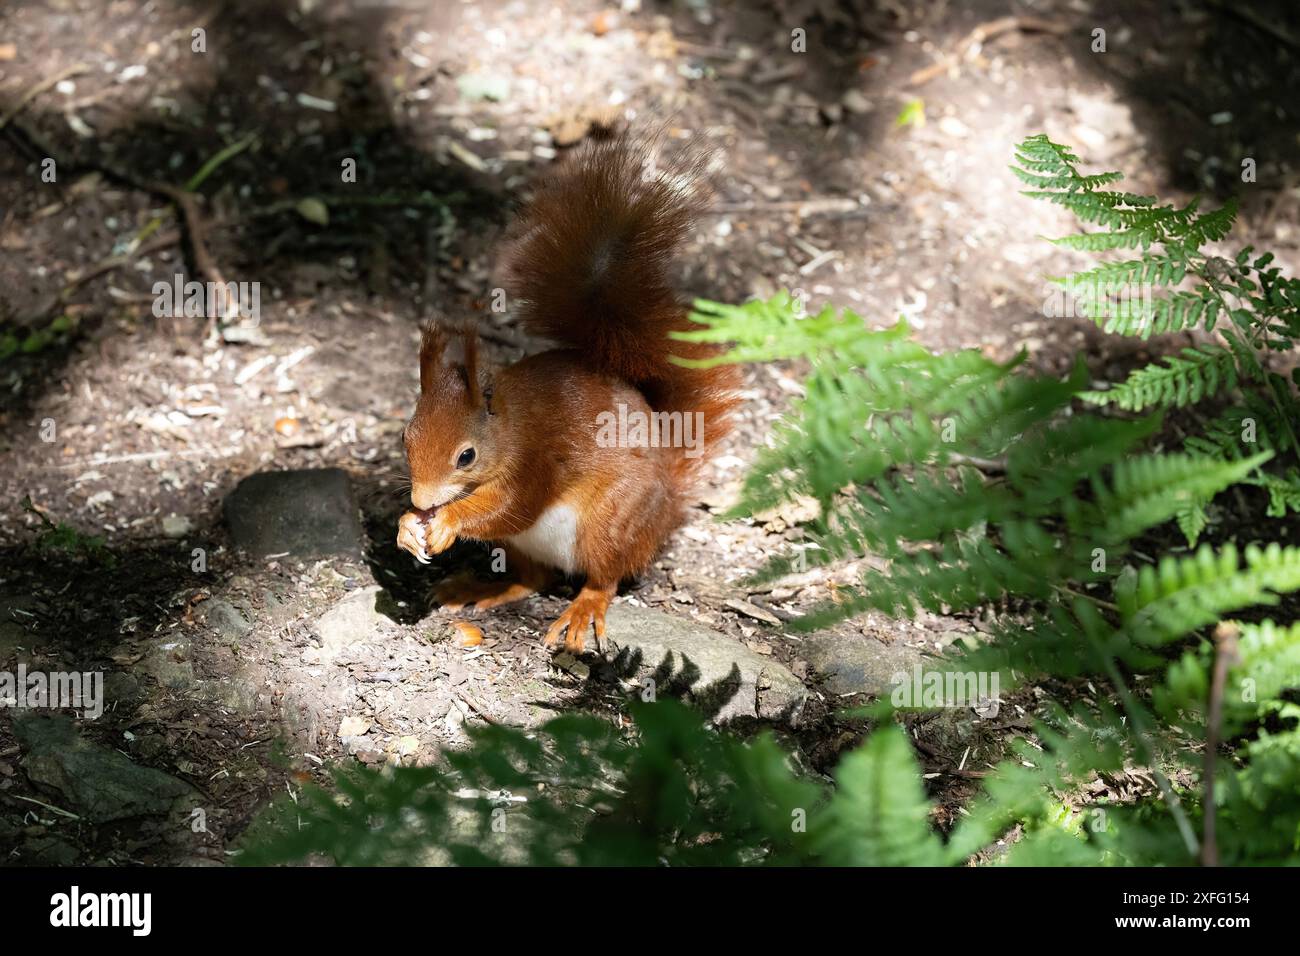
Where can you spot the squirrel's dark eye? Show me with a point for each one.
(466, 458)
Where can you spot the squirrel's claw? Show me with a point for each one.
(410, 536)
(586, 611)
(439, 534)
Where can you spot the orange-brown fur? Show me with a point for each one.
(588, 263)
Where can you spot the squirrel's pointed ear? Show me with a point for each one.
(433, 343)
(465, 349)
(449, 360)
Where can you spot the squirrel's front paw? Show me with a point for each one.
(411, 537)
(439, 533)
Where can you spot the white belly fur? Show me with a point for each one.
(553, 538)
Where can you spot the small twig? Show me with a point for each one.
(188, 207)
(996, 466)
(96, 461)
(39, 88)
(977, 38)
(812, 206)
(61, 812)
(474, 706)
(816, 262)
(1087, 597)
(1225, 643)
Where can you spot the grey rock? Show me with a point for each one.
(122, 689)
(169, 665)
(224, 618)
(353, 620)
(300, 718)
(307, 513)
(150, 746)
(855, 663)
(234, 693)
(49, 851)
(725, 679)
(97, 783)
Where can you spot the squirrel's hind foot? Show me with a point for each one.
(464, 591)
(586, 612)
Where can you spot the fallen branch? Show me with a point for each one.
(184, 200)
(972, 42)
(187, 205)
(39, 88)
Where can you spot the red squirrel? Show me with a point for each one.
(523, 456)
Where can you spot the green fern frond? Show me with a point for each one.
(1154, 269)
(1211, 226)
(1192, 519)
(1150, 489)
(1200, 373)
(1181, 595)
(1106, 241)
(1269, 655)
(1283, 491)
(879, 815)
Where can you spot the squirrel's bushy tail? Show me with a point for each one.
(589, 266)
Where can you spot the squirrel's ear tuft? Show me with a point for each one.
(449, 361)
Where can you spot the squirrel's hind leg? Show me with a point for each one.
(586, 612)
(523, 578)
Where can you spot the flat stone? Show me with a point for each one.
(855, 663)
(49, 851)
(724, 678)
(234, 693)
(303, 514)
(122, 689)
(353, 620)
(96, 783)
(224, 618)
(169, 665)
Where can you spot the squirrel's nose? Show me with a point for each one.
(423, 496)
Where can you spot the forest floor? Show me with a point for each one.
(216, 670)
